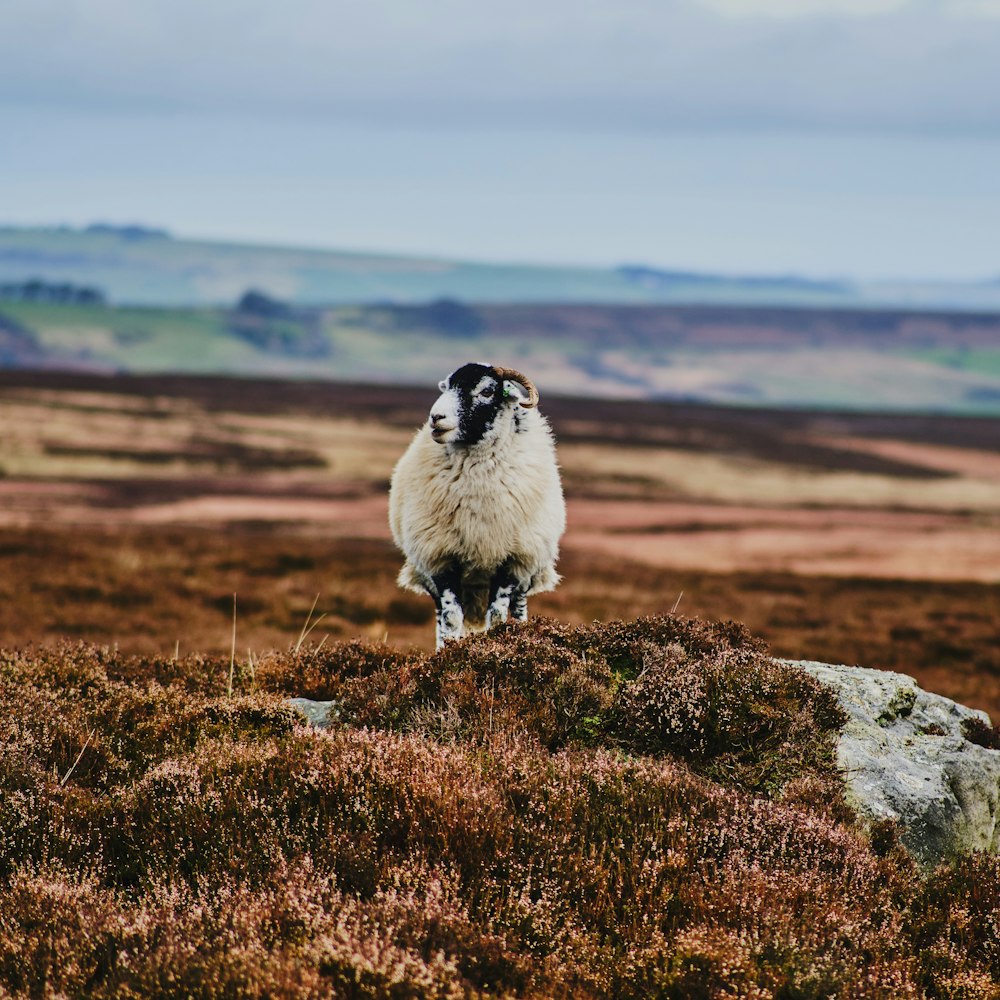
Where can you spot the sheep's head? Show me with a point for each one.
(475, 400)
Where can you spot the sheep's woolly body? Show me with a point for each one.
(494, 503)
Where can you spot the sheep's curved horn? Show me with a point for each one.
(515, 376)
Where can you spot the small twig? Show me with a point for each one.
(305, 625)
(66, 776)
(677, 603)
(307, 628)
(232, 655)
(177, 650)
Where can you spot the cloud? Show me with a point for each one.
(975, 8)
(922, 64)
(805, 8)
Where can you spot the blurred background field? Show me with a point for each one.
(762, 304)
(128, 299)
(133, 508)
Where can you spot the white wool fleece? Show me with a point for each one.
(498, 501)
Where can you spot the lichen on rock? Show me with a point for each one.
(905, 757)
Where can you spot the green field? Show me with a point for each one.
(828, 359)
(985, 361)
(158, 304)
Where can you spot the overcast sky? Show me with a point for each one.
(924, 64)
(438, 73)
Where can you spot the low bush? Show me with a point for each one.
(707, 693)
(641, 809)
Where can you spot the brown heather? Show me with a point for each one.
(641, 809)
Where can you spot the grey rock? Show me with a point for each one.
(905, 758)
(318, 714)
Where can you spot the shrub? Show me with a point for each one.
(532, 813)
(707, 693)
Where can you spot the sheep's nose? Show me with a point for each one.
(436, 418)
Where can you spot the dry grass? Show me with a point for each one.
(70, 434)
(144, 589)
(151, 501)
(720, 478)
(675, 487)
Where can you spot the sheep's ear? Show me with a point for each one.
(513, 391)
(443, 384)
(513, 377)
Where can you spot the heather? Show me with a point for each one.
(635, 809)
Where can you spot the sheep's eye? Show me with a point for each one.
(487, 394)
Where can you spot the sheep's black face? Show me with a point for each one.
(472, 399)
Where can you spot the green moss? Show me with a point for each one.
(900, 706)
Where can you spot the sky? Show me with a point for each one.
(829, 137)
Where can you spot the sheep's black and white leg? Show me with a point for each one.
(499, 606)
(519, 605)
(448, 601)
(506, 599)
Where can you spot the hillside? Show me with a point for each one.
(139, 266)
(624, 810)
(135, 265)
(762, 356)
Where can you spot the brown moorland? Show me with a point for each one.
(622, 810)
(571, 808)
(133, 508)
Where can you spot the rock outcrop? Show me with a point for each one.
(905, 757)
(319, 714)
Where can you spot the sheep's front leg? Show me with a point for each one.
(519, 605)
(499, 605)
(506, 599)
(450, 617)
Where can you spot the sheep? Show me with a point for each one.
(476, 504)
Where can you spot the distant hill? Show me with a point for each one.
(769, 356)
(655, 278)
(142, 265)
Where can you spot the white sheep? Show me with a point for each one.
(476, 504)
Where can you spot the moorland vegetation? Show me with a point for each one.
(132, 509)
(624, 810)
(581, 809)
